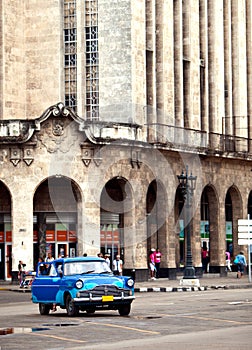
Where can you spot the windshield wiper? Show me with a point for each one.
(84, 273)
(100, 273)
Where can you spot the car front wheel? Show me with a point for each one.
(72, 310)
(44, 309)
(124, 310)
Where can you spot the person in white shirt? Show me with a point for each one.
(49, 257)
(117, 266)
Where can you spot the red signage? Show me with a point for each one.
(8, 236)
(72, 236)
(50, 236)
(61, 236)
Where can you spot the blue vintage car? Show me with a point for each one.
(81, 284)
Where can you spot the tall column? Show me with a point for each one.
(203, 65)
(228, 120)
(168, 66)
(178, 62)
(239, 70)
(249, 69)
(164, 67)
(215, 65)
(150, 68)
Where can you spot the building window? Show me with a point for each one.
(92, 60)
(70, 52)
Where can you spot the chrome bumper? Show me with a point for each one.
(100, 299)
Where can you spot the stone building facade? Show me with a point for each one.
(103, 104)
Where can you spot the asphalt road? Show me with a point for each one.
(216, 319)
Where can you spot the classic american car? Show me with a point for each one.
(81, 284)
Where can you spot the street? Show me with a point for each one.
(219, 319)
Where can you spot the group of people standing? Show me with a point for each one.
(154, 263)
(117, 263)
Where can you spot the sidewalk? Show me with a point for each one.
(208, 281)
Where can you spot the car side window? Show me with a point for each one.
(53, 271)
(59, 269)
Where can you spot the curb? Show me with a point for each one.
(189, 289)
(169, 289)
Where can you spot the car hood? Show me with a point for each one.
(91, 282)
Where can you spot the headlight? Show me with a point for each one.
(79, 284)
(130, 282)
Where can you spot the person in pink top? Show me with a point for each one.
(152, 264)
(157, 261)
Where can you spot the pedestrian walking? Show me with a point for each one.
(21, 272)
(152, 264)
(158, 256)
(241, 263)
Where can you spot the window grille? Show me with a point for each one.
(70, 52)
(92, 59)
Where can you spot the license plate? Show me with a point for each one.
(107, 298)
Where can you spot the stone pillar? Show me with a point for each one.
(227, 123)
(178, 63)
(164, 69)
(135, 244)
(215, 65)
(171, 238)
(22, 226)
(249, 70)
(239, 70)
(203, 65)
(150, 18)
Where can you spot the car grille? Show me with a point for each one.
(101, 290)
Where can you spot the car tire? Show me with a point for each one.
(90, 311)
(72, 310)
(44, 309)
(124, 310)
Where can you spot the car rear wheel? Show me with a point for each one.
(44, 309)
(72, 310)
(124, 310)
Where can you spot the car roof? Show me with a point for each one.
(79, 258)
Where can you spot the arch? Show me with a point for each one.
(116, 204)
(57, 217)
(233, 212)
(209, 225)
(156, 211)
(5, 232)
(180, 232)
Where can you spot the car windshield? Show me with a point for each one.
(86, 267)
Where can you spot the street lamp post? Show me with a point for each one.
(187, 184)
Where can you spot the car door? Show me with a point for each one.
(46, 285)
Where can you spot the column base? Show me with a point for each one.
(139, 275)
(189, 282)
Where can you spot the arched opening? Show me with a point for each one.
(209, 232)
(208, 227)
(156, 205)
(115, 204)
(229, 223)
(5, 233)
(55, 218)
(179, 219)
(233, 212)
